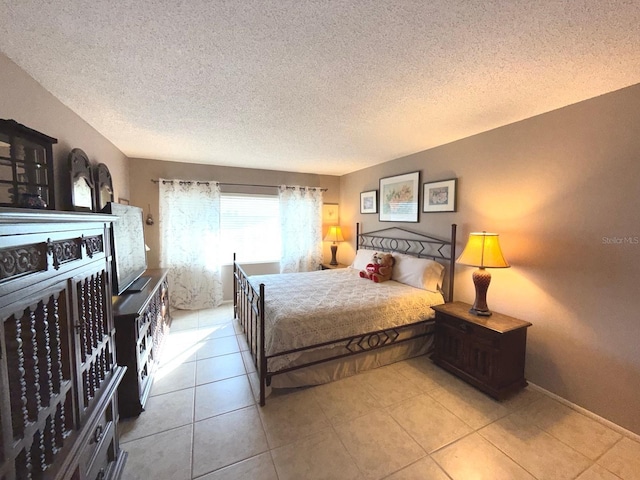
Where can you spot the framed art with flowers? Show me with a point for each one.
(399, 198)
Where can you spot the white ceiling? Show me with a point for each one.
(322, 86)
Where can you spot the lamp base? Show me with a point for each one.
(334, 250)
(481, 280)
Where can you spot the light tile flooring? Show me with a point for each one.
(410, 420)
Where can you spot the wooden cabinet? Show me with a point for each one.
(142, 321)
(487, 352)
(26, 167)
(58, 374)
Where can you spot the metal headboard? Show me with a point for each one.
(401, 240)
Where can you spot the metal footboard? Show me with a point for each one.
(248, 308)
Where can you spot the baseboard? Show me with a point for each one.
(587, 413)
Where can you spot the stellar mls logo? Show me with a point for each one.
(620, 240)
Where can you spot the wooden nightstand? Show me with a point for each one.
(328, 266)
(487, 352)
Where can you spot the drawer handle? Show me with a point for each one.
(101, 474)
(464, 327)
(98, 434)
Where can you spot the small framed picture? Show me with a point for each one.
(330, 213)
(399, 198)
(369, 202)
(123, 201)
(439, 196)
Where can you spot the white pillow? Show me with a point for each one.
(418, 272)
(363, 258)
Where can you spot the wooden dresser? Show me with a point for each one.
(487, 352)
(142, 321)
(58, 374)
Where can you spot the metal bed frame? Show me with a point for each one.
(249, 302)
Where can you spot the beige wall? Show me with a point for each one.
(26, 101)
(555, 187)
(144, 193)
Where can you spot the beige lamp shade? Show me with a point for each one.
(483, 251)
(334, 234)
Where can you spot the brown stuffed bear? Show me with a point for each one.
(380, 268)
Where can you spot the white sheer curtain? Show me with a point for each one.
(189, 222)
(301, 228)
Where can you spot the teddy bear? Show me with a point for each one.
(380, 268)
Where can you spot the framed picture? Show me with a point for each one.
(439, 196)
(82, 186)
(103, 186)
(399, 198)
(330, 213)
(369, 202)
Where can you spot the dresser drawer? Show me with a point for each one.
(142, 326)
(101, 430)
(104, 458)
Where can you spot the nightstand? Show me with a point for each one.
(328, 266)
(487, 352)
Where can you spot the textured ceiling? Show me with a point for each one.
(316, 85)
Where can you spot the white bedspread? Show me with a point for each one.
(303, 309)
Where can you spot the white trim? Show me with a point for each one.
(587, 413)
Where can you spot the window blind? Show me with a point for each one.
(250, 227)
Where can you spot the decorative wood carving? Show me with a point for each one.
(23, 259)
(93, 245)
(64, 251)
(94, 342)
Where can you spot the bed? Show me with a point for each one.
(314, 327)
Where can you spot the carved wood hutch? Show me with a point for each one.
(58, 374)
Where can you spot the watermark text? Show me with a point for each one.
(628, 240)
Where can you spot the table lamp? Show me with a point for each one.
(334, 235)
(482, 251)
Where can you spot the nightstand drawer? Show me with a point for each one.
(478, 332)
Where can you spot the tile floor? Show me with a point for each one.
(410, 420)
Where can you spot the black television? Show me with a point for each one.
(129, 255)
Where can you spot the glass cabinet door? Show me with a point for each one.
(26, 168)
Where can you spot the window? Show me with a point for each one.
(250, 227)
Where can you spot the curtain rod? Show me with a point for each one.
(238, 184)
